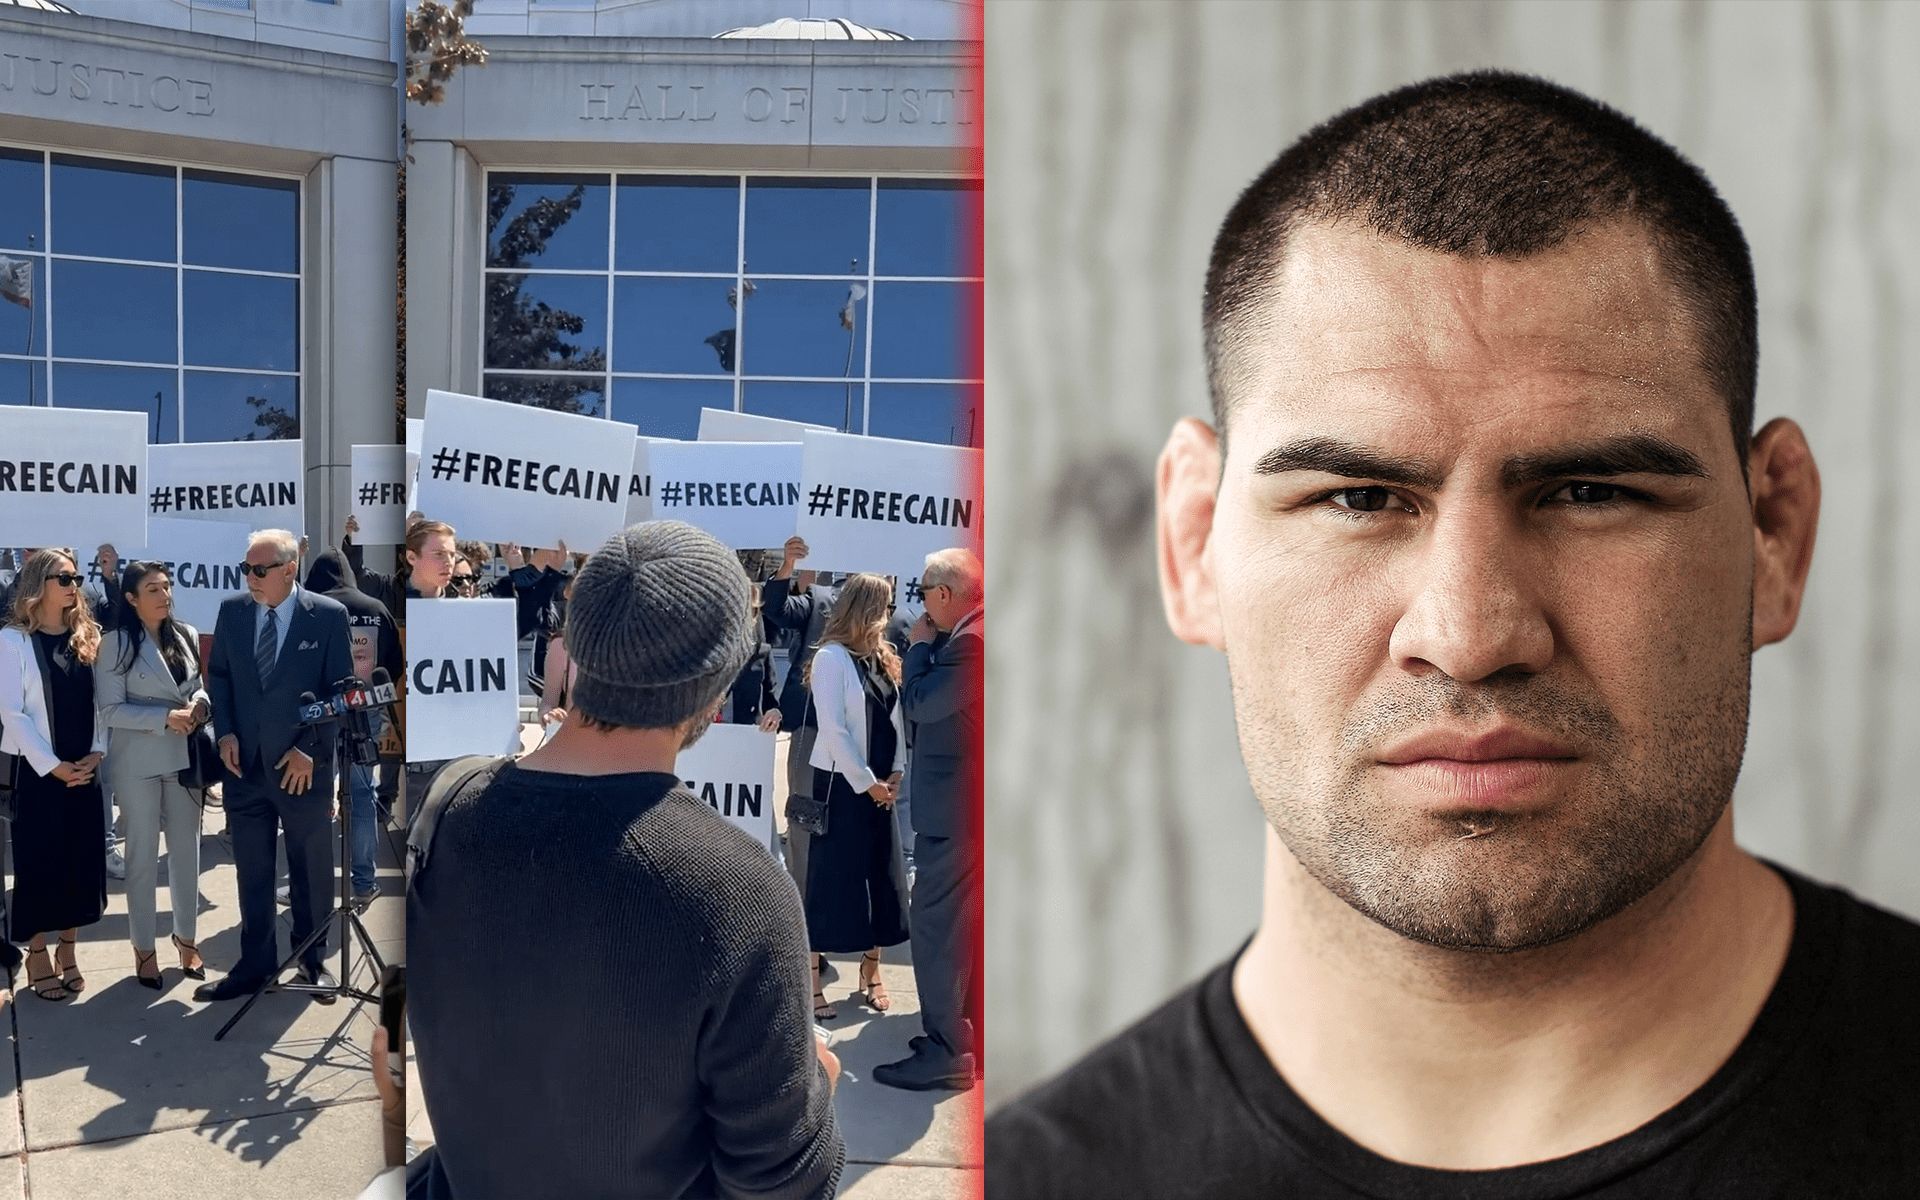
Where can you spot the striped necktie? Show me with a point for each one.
(268, 647)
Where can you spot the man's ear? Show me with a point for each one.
(1786, 509)
(1186, 484)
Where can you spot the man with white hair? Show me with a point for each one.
(941, 695)
(269, 646)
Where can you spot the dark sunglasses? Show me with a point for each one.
(259, 572)
(462, 581)
(67, 579)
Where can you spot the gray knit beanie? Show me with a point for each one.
(659, 625)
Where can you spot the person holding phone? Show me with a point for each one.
(47, 654)
(151, 697)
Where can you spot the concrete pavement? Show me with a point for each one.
(123, 1091)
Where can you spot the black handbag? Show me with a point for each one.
(203, 760)
(204, 768)
(804, 809)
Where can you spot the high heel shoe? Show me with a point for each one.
(70, 974)
(185, 949)
(142, 960)
(46, 985)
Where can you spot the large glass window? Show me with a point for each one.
(168, 291)
(842, 301)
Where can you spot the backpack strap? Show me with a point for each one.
(461, 777)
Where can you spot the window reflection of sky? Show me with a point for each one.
(835, 405)
(113, 210)
(678, 256)
(234, 221)
(149, 390)
(793, 327)
(674, 326)
(131, 312)
(678, 224)
(668, 407)
(807, 226)
(106, 310)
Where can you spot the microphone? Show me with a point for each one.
(350, 695)
(381, 690)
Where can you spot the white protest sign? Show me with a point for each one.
(203, 558)
(743, 493)
(414, 433)
(500, 472)
(725, 425)
(252, 483)
(379, 494)
(463, 679)
(640, 486)
(883, 505)
(731, 768)
(72, 477)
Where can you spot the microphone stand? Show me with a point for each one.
(352, 743)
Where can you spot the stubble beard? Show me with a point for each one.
(1639, 812)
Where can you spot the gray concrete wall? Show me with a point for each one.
(1124, 845)
(362, 28)
(923, 20)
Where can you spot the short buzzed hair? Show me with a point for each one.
(1500, 165)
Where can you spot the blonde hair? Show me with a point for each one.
(858, 621)
(83, 629)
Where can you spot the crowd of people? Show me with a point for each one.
(680, 964)
(105, 691)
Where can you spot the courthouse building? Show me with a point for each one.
(637, 209)
(203, 193)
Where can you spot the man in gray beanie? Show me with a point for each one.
(609, 982)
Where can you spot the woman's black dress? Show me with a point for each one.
(59, 871)
(856, 895)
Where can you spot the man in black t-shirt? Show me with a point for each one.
(1488, 552)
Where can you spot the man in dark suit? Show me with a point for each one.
(941, 696)
(269, 646)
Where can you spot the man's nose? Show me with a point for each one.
(1474, 606)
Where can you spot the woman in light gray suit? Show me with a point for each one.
(151, 696)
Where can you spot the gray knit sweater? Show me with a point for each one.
(608, 995)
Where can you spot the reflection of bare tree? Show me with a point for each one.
(527, 334)
(271, 422)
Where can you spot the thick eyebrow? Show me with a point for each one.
(1329, 456)
(1628, 454)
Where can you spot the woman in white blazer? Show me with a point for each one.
(151, 697)
(856, 885)
(47, 654)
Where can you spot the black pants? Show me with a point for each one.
(257, 810)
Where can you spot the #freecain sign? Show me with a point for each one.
(501, 472)
(743, 493)
(731, 770)
(256, 484)
(883, 505)
(463, 679)
(72, 477)
(203, 559)
(379, 495)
